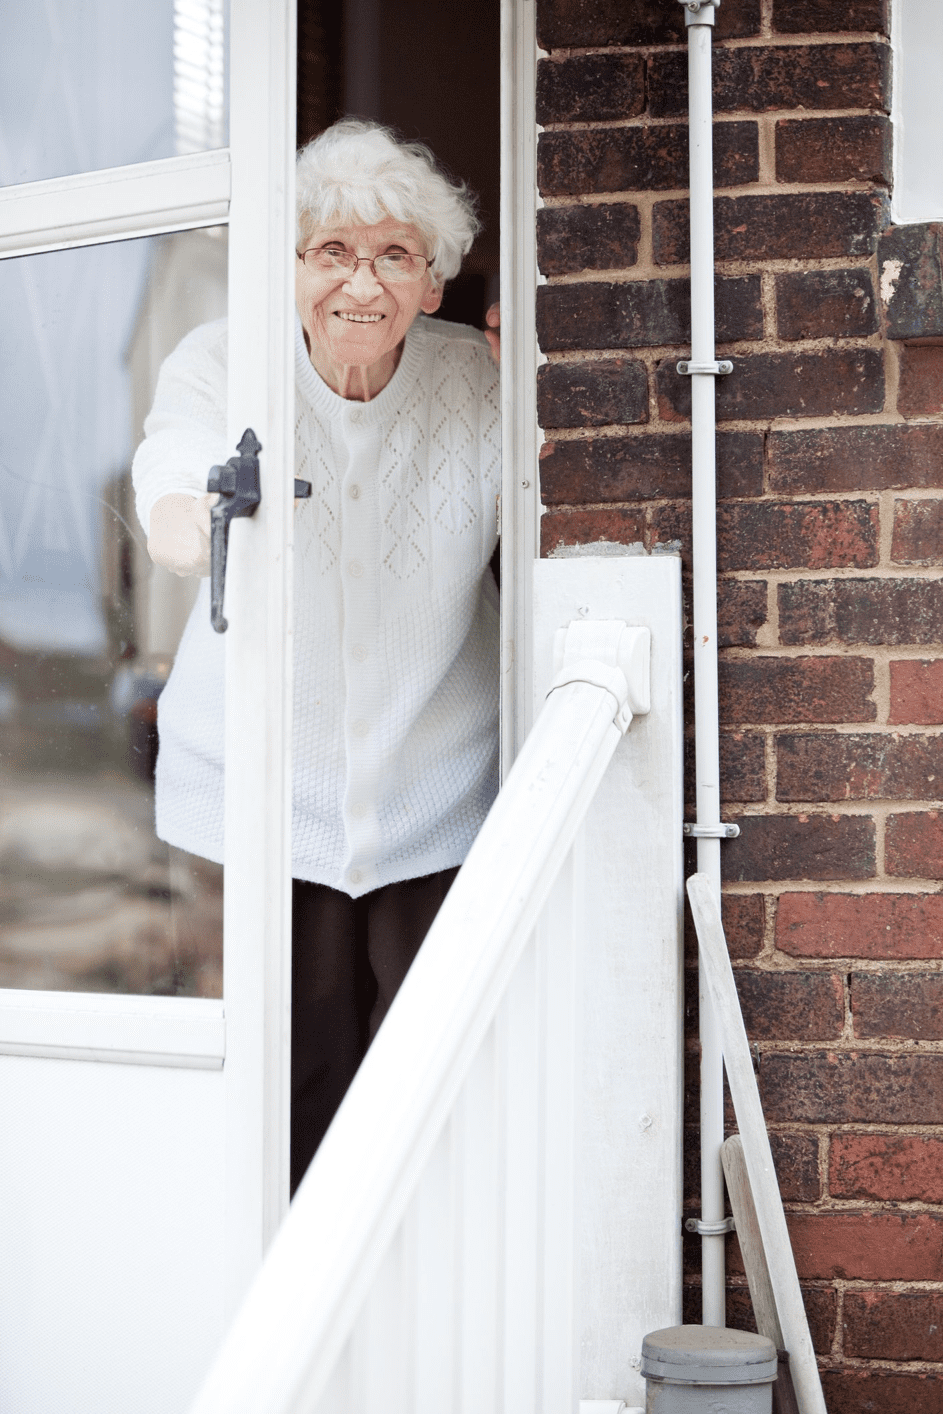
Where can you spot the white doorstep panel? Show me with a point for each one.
(111, 1235)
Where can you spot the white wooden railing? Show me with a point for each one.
(430, 1260)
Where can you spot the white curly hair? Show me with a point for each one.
(359, 173)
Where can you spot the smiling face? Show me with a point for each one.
(356, 321)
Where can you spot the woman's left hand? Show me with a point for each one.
(493, 331)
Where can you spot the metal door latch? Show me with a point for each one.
(240, 492)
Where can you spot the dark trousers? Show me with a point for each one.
(348, 959)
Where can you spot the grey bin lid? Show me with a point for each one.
(708, 1355)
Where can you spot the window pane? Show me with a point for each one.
(86, 84)
(90, 899)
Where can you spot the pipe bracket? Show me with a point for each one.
(711, 832)
(719, 1229)
(687, 366)
(699, 12)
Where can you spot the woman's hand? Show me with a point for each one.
(493, 331)
(179, 536)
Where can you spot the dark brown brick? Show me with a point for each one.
(920, 387)
(612, 525)
(917, 692)
(861, 611)
(808, 384)
(757, 80)
(855, 459)
(796, 535)
(860, 1391)
(565, 24)
(670, 524)
(767, 689)
(918, 532)
(910, 259)
(742, 767)
(741, 613)
(592, 394)
(829, 16)
(908, 1005)
(646, 466)
(821, 1307)
(904, 1168)
(800, 847)
(744, 919)
(783, 227)
(848, 1087)
(818, 304)
(639, 313)
(796, 1158)
(590, 88)
(791, 1006)
(913, 845)
(640, 159)
(819, 766)
(893, 1325)
(892, 926)
(834, 150)
(571, 239)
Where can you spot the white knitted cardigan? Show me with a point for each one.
(396, 627)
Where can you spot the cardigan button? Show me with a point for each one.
(360, 728)
(355, 876)
(354, 569)
(354, 492)
(359, 653)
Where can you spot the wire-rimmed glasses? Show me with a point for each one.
(396, 267)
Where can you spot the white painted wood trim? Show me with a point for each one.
(520, 497)
(115, 204)
(185, 1032)
(257, 884)
(715, 963)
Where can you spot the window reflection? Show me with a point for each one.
(89, 898)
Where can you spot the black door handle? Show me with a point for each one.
(239, 494)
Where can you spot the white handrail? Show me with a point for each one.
(282, 1348)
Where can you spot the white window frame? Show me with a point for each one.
(917, 111)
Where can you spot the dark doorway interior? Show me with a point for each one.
(431, 69)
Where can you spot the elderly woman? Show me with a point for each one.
(396, 623)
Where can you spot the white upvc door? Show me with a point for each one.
(144, 1139)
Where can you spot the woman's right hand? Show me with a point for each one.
(179, 536)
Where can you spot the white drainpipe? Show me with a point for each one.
(703, 368)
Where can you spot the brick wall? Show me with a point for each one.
(830, 459)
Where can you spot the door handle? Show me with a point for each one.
(239, 489)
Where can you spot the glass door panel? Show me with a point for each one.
(90, 899)
(88, 84)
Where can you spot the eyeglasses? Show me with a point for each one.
(398, 267)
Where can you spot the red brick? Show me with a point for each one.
(744, 918)
(918, 532)
(906, 1168)
(865, 1246)
(782, 227)
(590, 88)
(893, 1325)
(797, 535)
(855, 459)
(920, 390)
(913, 845)
(640, 159)
(613, 525)
(571, 239)
(892, 926)
(791, 1006)
(756, 80)
(741, 612)
(592, 394)
(766, 689)
(646, 466)
(917, 691)
(800, 847)
(817, 766)
(639, 313)
(857, 1391)
(829, 16)
(821, 1307)
(904, 1005)
(816, 304)
(810, 383)
(875, 611)
(834, 150)
(852, 1087)
(563, 24)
